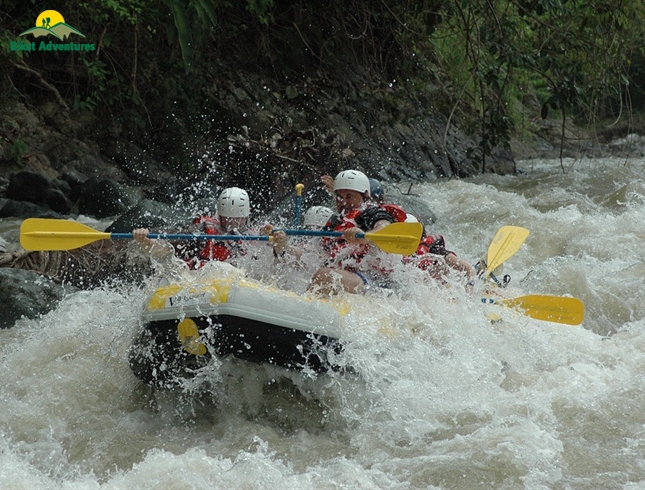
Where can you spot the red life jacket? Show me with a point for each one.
(212, 250)
(336, 245)
(396, 211)
(429, 245)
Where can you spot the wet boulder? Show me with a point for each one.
(28, 186)
(26, 294)
(153, 215)
(38, 189)
(102, 198)
(23, 209)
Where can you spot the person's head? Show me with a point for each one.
(233, 208)
(376, 191)
(317, 217)
(352, 189)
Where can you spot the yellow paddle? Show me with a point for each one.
(59, 234)
(506, 242)
(55, 234)
(395, 238)
(558, 309)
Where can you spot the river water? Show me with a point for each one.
(443, 397)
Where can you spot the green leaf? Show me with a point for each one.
(183, 33)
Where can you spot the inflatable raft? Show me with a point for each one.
(185, 324)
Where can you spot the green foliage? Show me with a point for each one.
(184, 33)
(573, 55)
(262, 10)
(18, 150)
(196, 21)
(103, 11)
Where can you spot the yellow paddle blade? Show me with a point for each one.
(189, 337)
(397, 238)
(506, 242)
(558, 309)
(57, 234)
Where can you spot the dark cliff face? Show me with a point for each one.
(262, 134)
(265, 135)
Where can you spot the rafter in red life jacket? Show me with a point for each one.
(213, 249)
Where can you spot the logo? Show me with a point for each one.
(51, 23)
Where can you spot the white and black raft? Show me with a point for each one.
(185, 324)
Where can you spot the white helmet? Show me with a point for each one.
(317, 216)
(233, 203)
(410, 219)
(352, 180)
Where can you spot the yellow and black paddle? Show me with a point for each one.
(557, 309)
(54, 234)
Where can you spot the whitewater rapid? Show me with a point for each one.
(442, 398)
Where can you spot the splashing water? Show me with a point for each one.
(441, 397)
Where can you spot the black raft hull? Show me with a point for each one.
(185, 325)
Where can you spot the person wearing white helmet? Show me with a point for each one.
(345, 268)
(357, 187)
(233, 210)
(376, 189)
(434, 266)
(316, 217)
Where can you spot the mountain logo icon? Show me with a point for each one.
(51, 23)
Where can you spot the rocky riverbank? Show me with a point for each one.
(54, 165)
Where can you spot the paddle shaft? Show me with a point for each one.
(318, 233)
(296, 218)
(188, 236)
(179, 236)
(185, 236)
(128, 236)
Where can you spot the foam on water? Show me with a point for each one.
(440, 398)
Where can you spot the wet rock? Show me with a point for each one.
(26, 294)
(105, 198)
(138, 165)
(90, 165)
(35, 188)
(153, 215)
(24, 209)
(28, 186)
(57, 201)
